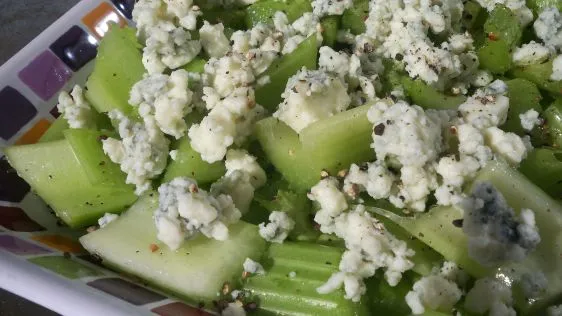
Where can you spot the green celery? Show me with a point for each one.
(305, 55)
(539, 74)
(330, 26)
(428, 97)
(353, 19)
(523, 96)
(553, 124)
(543, 166)
(279, 293)
(54, 132)
(495, 56)
(383, 299)
(118, 67)
(538, 5)
(474, 16)
(502, 24)
(331, 144)
(263, 11)
(231, 18)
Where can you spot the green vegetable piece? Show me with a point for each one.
(523, 96)
(387, 300)
(231, 18)
(538, 5)
(503, 25)
(54, 132)
(312, 264)
(118, 67)
(189, 163)
(436, 229)
(100, 170)
(539, 74)
(495, 56)
(298, 207)
(521, 193)
(330, 26)
(553, 124)
(474, 16)
(305, 55)
(353, 19)
(54, 172)
(543, 166)
(197, 65)
(331, 144)
(428, 97)
(425, 258)
(264, 10)
(194, 272)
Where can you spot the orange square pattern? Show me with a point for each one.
(98, 20)
(59, 242)
(34, 133)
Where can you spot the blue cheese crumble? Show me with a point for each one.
(529, 119)
(164, 26)
(437, 291)
(311, 95)
(142, 151)
(106, 219)
(490, 295)
(75, 109)
(253, 267)
(278, 227)
(185, 210)
(166, 98)
(495, 234)
(556, 68)
(531, 53)
(548, 27)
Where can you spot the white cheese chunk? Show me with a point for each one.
(213, 40)
(490, 295)
(253, 267)
(106, 219)
(548, 27)
(278, 228)
(529, 119)
(330, 7)
(506, 145)
(556, 68)
(311, 95)
(75, 109)
(167, 98)
(531, 53)
(184, 210)
(142, 152)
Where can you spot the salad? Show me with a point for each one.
(324, 157)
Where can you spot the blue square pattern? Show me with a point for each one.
(75, 48)
(16, 112)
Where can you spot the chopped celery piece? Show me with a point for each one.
(305, 55)
(383, 299)
(503, 24)
(118, 67)
(297, 206)
(197, 65)
(55, 130)
(263, 10)
(553, 124)
(353, 19)
(474, 16)
(279, 293)
(231, 18)
(539, 74)
(523, 96)
(428, 97)
(436, 229)
(331, 144)
(495, 56)
(100, 170)
(195, 272)
(538, 5)
(54, 172)
(521, 193)
(330, 26)
(543, 166)
(189, 163)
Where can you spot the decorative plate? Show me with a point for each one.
(39, 259)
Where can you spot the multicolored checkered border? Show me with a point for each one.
(39, 259)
